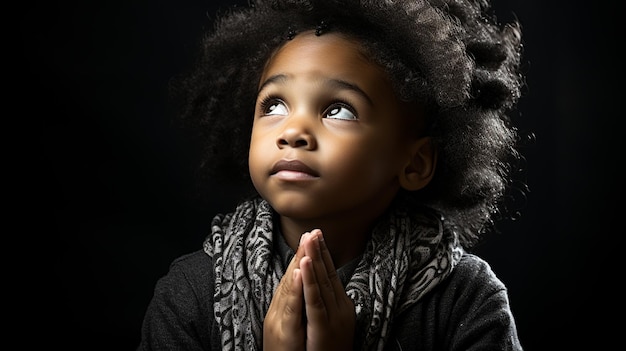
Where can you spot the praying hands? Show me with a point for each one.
(310, 309)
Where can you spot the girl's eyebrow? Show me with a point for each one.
(273, 79)
(336, 83)
(342, 84)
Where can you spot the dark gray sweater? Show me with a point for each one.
(468, 311)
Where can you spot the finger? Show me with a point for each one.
(331, 272)
(295, 302)
(314, 305)
(283, 323)
(331, 288)
(288, 303)
(288, 299)
(293, 264)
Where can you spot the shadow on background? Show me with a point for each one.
(116, 179)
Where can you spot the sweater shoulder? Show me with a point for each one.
(474, 271)
(191, 274)
(468, 310)
(193, 261)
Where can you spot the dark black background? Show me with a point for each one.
(113, 178)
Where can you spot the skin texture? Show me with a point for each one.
(323, 104)
(329, 150)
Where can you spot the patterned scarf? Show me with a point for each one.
(405, 258)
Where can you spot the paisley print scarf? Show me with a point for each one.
(405, 258)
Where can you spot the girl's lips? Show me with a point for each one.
(293, 175)
(293, 170)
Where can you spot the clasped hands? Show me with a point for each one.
(310, 309)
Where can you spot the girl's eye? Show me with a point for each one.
(340, 111)
(274, 108)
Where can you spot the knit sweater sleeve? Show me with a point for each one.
(469, 311)
(180, 314)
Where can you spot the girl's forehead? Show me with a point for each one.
(331, 54)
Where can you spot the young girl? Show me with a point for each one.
(377, 139)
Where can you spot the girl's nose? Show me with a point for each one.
(296, 135)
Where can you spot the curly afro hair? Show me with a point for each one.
(452, 55)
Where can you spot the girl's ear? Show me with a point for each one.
(420, 167)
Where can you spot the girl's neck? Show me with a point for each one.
(345, 239)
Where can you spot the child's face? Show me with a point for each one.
(329, 136)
